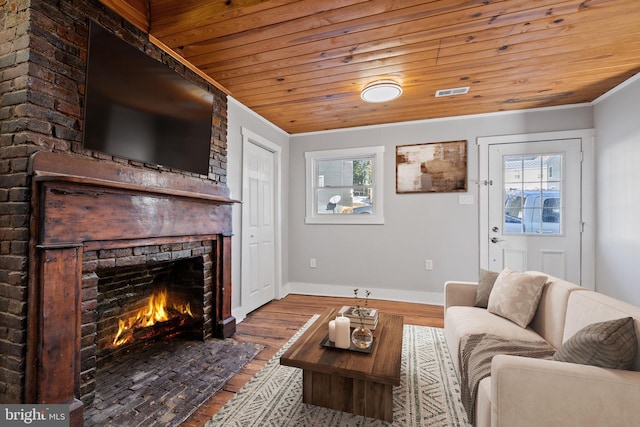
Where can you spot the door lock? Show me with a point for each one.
(495, 229)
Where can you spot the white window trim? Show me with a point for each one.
(377, 217)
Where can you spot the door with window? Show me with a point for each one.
(534, 203)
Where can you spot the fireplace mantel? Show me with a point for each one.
(82, 204)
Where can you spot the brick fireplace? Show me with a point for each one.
(84, 208)
(67, 214)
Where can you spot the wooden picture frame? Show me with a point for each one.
(433, 167)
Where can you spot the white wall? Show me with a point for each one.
(389, 259)
(238, 116)
(617, 122)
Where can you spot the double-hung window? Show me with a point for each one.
(345, 186)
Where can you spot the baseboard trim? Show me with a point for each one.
(435, 298)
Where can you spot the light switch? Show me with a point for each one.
(465, 199)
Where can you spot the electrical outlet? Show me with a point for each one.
(312, 263)
(428, 264)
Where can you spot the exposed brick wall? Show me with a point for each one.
(43, 51)
(14, 196)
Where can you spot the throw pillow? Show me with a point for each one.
(612, 344)
(515, 296)
(485, 284)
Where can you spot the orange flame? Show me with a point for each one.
(156, 311)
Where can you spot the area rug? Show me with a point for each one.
(165, 382)
(429, 393)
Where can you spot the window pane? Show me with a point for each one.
(553, 167)
(512, 170)
(551, 210)
(344, 186)
(356, 200)
(533, 194)
(513, 204)
(345, 172)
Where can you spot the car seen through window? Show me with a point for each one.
(532, 212)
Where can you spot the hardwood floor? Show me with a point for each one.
(273, 324)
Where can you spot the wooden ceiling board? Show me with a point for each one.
(328, 25)
(302, 63)
(511, 62)
(212, 24)
(260, 84)
(517, 53)
(349, 36)
(134, 11)
(326, 57)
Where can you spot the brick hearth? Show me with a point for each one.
(164, 383)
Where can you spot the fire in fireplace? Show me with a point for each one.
(162, 315)
(151, 302)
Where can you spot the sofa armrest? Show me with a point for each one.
(533, 392)
(459, 293)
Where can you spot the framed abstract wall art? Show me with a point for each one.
(433, 167)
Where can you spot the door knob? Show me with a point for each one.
(495, 240)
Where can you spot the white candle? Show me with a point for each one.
(343, 333)
(332, 331)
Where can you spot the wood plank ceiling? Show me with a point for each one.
(301, 64)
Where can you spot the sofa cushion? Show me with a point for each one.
(515, 296)
(460, 321)
(485, 284)
(611, 344)
(552, 310)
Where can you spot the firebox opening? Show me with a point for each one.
(147, 303)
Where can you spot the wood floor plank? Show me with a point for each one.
(273, 324)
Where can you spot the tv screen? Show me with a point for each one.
(140, 109)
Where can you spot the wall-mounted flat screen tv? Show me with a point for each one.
(140, 109)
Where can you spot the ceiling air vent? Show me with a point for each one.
(451, 92)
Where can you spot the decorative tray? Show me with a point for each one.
(330, 344)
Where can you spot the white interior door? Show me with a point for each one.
(258, 261)
(534, 203)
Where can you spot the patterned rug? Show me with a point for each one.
(429, 393)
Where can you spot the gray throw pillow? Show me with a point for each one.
(612, 344)
(485, 284)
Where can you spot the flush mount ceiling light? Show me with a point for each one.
(381, 91)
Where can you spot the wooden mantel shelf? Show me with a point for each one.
(49, 166)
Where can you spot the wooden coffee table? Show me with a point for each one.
(346, 380)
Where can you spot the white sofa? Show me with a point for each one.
(536, 392)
